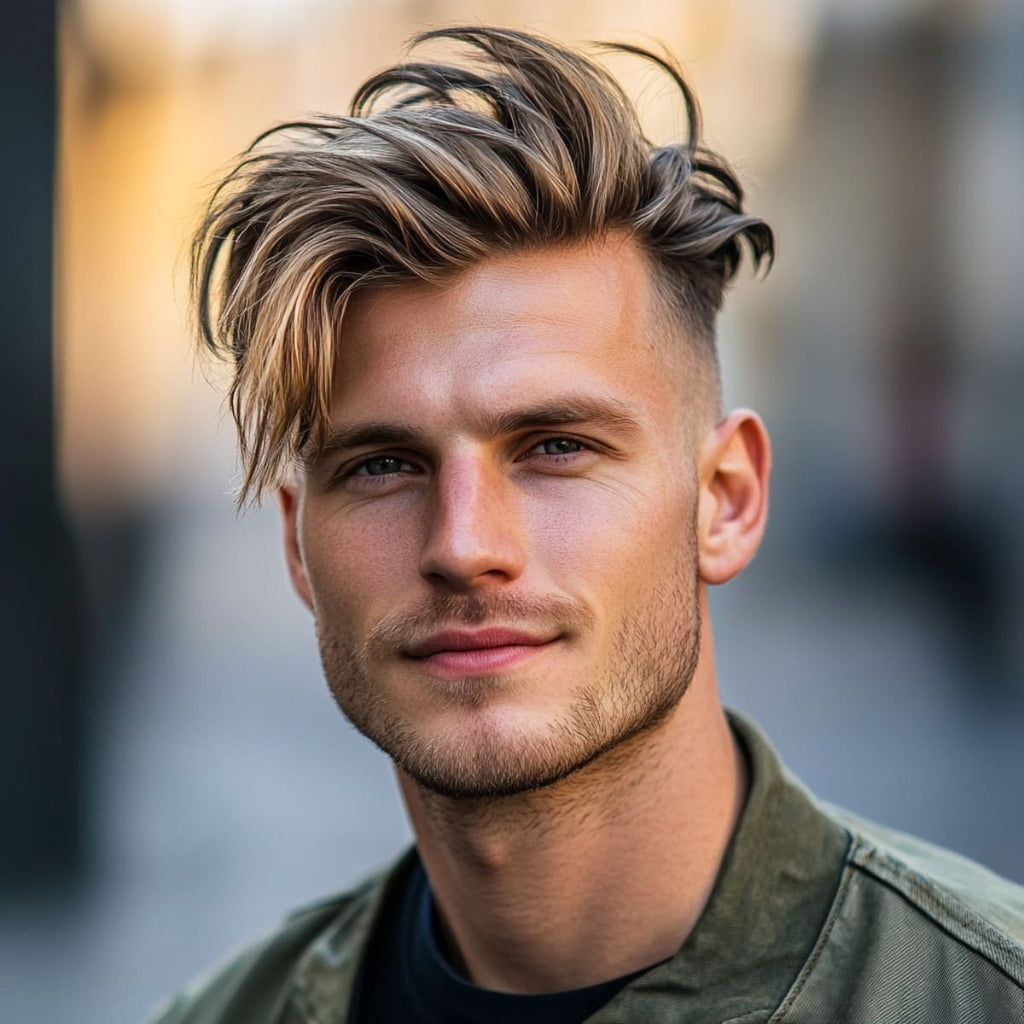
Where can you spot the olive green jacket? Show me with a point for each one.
(816, 917)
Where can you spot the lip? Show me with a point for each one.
(480, 651)
(475, 640)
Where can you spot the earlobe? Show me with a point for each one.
(734, 468)
(288, 501)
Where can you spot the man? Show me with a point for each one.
(473, 335)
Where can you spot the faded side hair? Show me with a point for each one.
(522, 143)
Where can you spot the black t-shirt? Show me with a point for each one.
(405, 978)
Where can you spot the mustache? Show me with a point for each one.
(401, 630)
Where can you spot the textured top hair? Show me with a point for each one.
(524, 143)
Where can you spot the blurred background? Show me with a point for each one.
(174, 774)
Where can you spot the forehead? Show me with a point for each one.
(505, 329)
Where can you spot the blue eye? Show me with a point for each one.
(382, 465)
(561, 446)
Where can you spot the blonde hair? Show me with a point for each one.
(523, 143)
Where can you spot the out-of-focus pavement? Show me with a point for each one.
(228, 788)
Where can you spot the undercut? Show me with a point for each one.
(516, 143)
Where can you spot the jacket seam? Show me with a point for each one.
(835, 911)
(751, 1016)
(975, 922)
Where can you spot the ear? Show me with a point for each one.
(733, 470)
(289, 501)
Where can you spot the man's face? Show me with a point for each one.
(499, 546)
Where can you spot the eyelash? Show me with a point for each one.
(374, 479)
(383, 479)
(561, 456)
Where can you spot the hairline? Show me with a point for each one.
(688, 348)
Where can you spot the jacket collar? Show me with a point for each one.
(766, 910)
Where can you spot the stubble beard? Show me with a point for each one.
(653, 658)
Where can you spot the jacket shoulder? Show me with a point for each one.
(959, 894)
(916, 934)
(253, 985)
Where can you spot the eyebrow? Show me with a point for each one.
(562, 411)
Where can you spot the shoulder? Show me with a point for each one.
(257, 984)
(956, 892)
(915, 933)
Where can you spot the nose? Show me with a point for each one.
(473, 530)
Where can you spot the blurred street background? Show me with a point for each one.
(174, 775)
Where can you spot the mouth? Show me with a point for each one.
(477, 652)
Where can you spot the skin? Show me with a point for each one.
(519, 449)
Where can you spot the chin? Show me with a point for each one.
(490, 774)
(491, 759)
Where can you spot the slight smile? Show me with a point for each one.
(476, 652)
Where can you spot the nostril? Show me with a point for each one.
(463, 561)
(472, 533)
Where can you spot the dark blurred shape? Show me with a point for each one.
(922, 337)
(42, 635)
(931, 527)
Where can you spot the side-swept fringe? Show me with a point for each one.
(437, 166)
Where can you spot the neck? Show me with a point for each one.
(599, 875)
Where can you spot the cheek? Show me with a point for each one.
(613, 543)
(354, 564)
